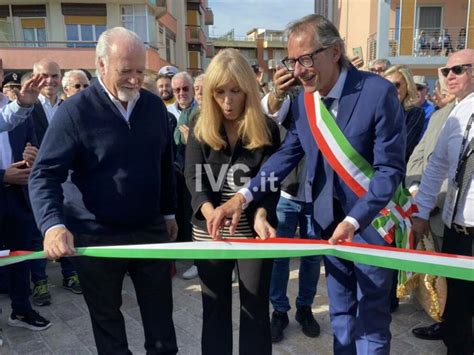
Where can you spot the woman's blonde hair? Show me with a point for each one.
(411, 99)
(229, 66)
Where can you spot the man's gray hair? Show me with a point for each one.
(183, 75)
(66, 82)
(325, 33)
(105, 41)
(380, 61)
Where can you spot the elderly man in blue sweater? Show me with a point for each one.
(115, 139)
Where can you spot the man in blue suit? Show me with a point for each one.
(17, 225)
(366, 110)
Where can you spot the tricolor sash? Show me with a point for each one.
(393, 223)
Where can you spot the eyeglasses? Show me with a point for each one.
(376, 70)
(420, 87)
(183, 89)
(78, 86)
(457, 69)
(306, 60)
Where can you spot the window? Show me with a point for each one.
(83, 32)
(34, 32)
(429, 18)
(134, 18)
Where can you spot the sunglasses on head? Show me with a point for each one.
(456, 69)
(78, 86)
(183, 89)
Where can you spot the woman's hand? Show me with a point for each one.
(262, 227)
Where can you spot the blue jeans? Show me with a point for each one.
(290, 214)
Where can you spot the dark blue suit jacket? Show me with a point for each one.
(372, 119)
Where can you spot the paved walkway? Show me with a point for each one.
(71, 331)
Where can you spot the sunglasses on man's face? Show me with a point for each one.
(78, 86)
(183, 89)
(457, 69)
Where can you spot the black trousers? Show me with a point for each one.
(184, 212)
(17, 229)
(254, 286)
(457, 325)
(102, 279)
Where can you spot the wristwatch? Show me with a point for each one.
(278, 97)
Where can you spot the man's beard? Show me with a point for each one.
(126, 95)
(167, 95)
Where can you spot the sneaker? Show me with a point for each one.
(72, 284)
(30, 320)
(41, 295)
(304, 316)
(190, 273)
(278, 323)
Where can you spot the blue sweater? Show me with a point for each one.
(124, 172)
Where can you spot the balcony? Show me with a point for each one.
(208, 17)
(158, 7)
(210, 50)
(195, 35)
(429, 46)
(229, 40)
(274, 41)
(20, 55)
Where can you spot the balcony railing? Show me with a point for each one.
(62, 44)
(425, 42)
(195, 35)
(208, 17)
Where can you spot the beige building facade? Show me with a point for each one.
(67, 31)
(419, 33)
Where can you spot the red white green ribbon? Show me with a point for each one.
(454, 266)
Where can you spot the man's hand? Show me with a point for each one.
(184, 129)
(29, 154)
(344, 232)
(58, 242)
(420, 228)
(230, 209)
(17, 174)
(30, 90)
(283, 82)
(357, 62)
(172, 229)
(262, 227)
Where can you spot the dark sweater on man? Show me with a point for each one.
(123, 171)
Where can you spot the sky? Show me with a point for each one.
(243, 15)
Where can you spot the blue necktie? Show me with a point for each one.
(323, 186)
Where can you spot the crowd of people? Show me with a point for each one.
(131, 157)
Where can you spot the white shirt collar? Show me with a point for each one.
(126, 113)
(45, 101)
(48, 109)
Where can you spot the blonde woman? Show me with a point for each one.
(228, 143)
(402, 78)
